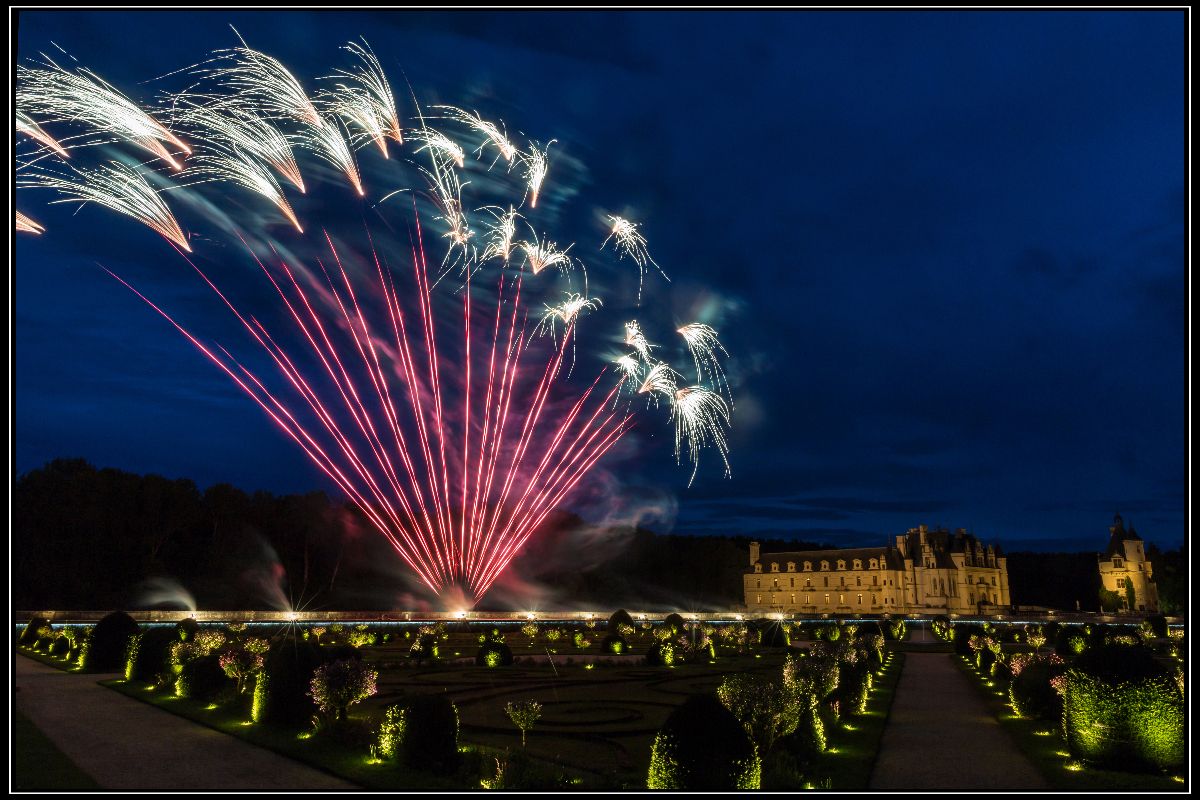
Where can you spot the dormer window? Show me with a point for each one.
(1116, 561)
(791, 566)
(758, 567)
(841, 564)
(824, 566)
(858, 563)
(808, 566)
(874, 563)
(774, 566)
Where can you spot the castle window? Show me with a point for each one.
(776, 583)
(860, 599)
(774, 566)
(1116, 561)
(993, 580)
(791, 566)
(826, 582)
(807, 599)
(758, 584)
(759, 600)
(808, 566)
(793, 584)
(874, 580)
(841, 564)
(841, 599)
(793, 599)
(824, 566)
(827, 599)
(883, 563)
(874, 563)
(858, 563)
(808, 583)
(859, 581)
(843, 580)
(758, 567)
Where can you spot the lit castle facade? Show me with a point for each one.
(931, 572)
(1125, 570)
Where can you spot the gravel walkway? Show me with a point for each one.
(126, 745)
(940, 736)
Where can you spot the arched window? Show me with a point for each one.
(759, 600)
(860, 599)
(776, 581)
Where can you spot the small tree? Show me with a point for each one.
(1130, 595)
(1109, 601)
(340, 684)
(524, 714)
(241, 665)
(767, 710)
(318, 632)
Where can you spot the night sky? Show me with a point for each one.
(946, 250)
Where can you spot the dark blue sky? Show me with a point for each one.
(946, 249)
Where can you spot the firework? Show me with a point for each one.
(492, 134)
(630, 242)
(367, 101)
(536, 167)
(235, 167)
(27, 225)
(56, 95)
(702, 341)
(116, 186)
(455, 441)
(34, 131)
(226, 126)
(700, 419)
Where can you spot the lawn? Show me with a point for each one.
(39, 766)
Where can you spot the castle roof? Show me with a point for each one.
(832, 556)
(1118, 535)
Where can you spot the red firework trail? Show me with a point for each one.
(374, 414)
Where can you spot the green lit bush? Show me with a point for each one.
(615, 643)
(106, 652)
(494, 654)
(1122, 709)
(807, 742)
(148, 653)
(1158, 625)
(703, 746)
(201, 678)
(186, 629)
(337, 685)
(430, 733)
(854, 686)
(896, 629)
(675, 623)
(281, 688)
(425, 645)
(772, 633)
(1070, 642)
(60, 647)
(390, 737)
(767, 710)
(661, 654)
(620, 617)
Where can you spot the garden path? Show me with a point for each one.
(940, 736)
(126, 745)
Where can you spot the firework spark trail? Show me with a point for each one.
(439, 146)
(491, 132)
(27, 225)
(536, 167)
(57, 95)
(703, 343)
(368, 102)
(235, 167)
(630, 242)
(263, 82)
(225, 126)
(34, 131)
(500, 242)
(659, 380)
(115, 186)
(699, 415)
(635, 338)
(324, 139)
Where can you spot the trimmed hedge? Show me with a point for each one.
(615, 644)
(662, 654)
(675, 623)
(807, 742)
(202, 678)
(60, 647)
(703, 746)
(106, 652)
(186, 629)
(29, 635)
(281, 689)
(429, 738)
(620, 617)
(1032, 695)
(772, 633)
(148, 654)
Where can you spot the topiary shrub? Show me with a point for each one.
(773, 634)
(962, 634)
(494, 654)
(186, 629)
(1032, 694)
(1158, 625)
(615, 643)
(60, 647)
(807, 742)
(619, 617)
(201, 678)
(29, 635)
(429, 737)
(1122, 709)
(106, 652)
(281, 689)
(148, 653)
(337, 685)
(675, 623)
(854, 687)
(703, 746)
(425, 645)
(661, 654)
(1070, 642)
(46, 637)
(984, 660)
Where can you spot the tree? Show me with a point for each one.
(1109, 601)
(524, 714)
(1130, 595)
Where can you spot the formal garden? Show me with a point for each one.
(1094, 707)
(594, 705)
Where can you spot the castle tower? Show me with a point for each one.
(1125, 571)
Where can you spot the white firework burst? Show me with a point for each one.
(34, 131)
(491, 132)
(264, 81)
(630, 242)
(536, 166)
(635, 338)
(703, 343)
(324, 139)
(26, 225)
(236, 167)
(440, 147)
(701, 418)
(225, 125)
(367, 100)
(116, 186)
(57, 95)
(501, 234)
(540, 255)
(660, 380)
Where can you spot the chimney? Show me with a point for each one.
(753, 553)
